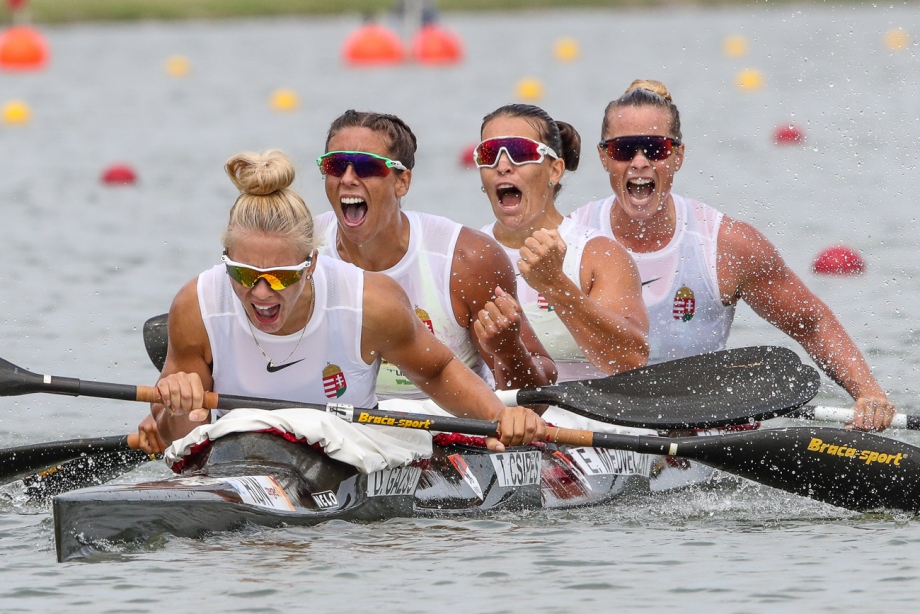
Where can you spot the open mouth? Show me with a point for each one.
(641, 190)
(354, 210)
(508, 195)
(266, 315)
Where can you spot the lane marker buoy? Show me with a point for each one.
(22, 49)
(566, 50)
(433, 44)
(839, 260)
(372, 44)
(788, 134)
(735, 46)
(284, 100)
(749, 80)
(15, 113)
(119, 174)
(529, 89)
(178, 66)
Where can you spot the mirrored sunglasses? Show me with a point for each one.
(278, 278)
(519, 150)
(366, 165)
(625, 148)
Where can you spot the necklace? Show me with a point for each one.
(270, 367)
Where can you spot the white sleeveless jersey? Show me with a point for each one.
(680, 284)
(424, 273)
(570, 360)
(325, 367)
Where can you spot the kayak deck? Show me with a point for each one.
(264, 480)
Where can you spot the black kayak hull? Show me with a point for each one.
(260, 479)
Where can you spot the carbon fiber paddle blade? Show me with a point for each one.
(717, 389)
(156, 338)
(849, 469)
(81, 473)
(15, 462)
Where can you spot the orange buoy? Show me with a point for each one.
(372, 44)
(435, 45)
(466, 156)
(839, 260)
(789, 134)
(119, 174)
(23, 48)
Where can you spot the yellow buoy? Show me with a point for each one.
(897, 40)
(16, 112)
(285, 100)
(178, 66)
(749, 80)
(529, 89)
(735, 46)
(566, 50)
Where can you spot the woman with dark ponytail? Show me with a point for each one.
(579, 290)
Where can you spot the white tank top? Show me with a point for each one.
(570, 361)
(326, 366)
(424, 273)
(680, 284)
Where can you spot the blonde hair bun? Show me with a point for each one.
(656, 87)
(260, 174)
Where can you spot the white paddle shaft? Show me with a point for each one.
(845, 414)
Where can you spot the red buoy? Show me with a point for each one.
(372, 44)
(119, 174)
(435, 45)
(789, 134)
(839, 260)
(22, 48)
(466, 156)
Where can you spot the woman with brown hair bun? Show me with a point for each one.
(696, 264)
(579, 290)
(274, 318)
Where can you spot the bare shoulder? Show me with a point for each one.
(609, 250)
(739, 242)
(480, 252)
(383, 290)
(479, 265)
(388, 316)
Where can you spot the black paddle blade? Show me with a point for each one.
(717, 389)
(15, 462)
(850, 469)
(82, 472)
(156, 339)
(16, 380)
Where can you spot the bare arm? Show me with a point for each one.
(604, 313)
(515, 354)
(392, 330)
(751, 268)
(186, 373)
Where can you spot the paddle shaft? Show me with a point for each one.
(736, 386)
(855, 470)
(845, 415)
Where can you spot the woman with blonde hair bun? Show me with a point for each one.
(696, 263)
(275, 319)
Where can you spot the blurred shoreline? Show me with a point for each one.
(69, 11)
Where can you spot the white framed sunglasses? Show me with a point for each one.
(520, 150)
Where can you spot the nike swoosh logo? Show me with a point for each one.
(644, 283)
(273, 368)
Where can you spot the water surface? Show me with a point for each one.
(84, 266)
